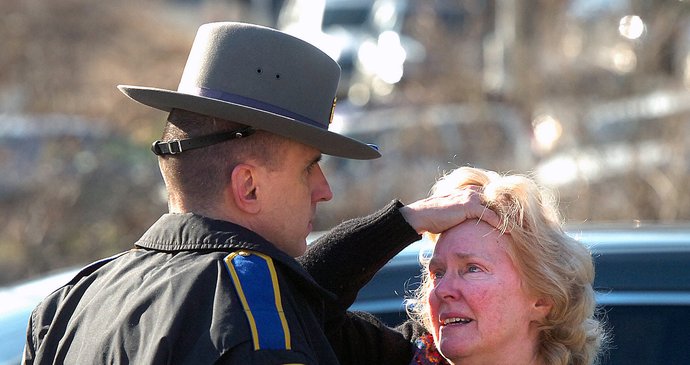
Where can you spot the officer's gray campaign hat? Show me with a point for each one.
(262, 78)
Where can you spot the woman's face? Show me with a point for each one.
(479, 310)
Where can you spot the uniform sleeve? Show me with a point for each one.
(29, 346)
(346, 258)
(360, 338)
(343, 261)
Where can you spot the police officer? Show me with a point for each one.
(215, 279)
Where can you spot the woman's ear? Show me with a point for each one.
(541, 308)
(243, 184)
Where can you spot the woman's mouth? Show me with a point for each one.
(455, 320)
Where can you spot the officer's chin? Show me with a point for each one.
(297, 248)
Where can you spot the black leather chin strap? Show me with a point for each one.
(176, 146)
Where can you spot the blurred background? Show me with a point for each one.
(588, 96)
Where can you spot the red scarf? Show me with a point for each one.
(426, 353)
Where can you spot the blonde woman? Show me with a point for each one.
(514, 292)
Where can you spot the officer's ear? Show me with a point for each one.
(244, 183)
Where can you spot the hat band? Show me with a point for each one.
(252, 103)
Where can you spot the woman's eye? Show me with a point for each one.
(436, 274)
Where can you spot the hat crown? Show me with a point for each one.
(262, 78)
(260, 65)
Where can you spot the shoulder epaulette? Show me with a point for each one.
(256, 283)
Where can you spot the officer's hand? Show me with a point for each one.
(439, 213)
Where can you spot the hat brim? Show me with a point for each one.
(325, 141)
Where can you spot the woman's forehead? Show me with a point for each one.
(470, 229)
(471, 238)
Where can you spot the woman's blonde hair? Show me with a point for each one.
(551, 264)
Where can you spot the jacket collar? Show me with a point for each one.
(192, 232)
(189, 231)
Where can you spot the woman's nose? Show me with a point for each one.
(447, 288)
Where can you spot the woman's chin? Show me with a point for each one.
(454, 344)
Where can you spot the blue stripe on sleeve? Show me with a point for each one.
(258, 286)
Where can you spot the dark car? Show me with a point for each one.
(642, 283)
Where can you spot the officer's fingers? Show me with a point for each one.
(477, 207)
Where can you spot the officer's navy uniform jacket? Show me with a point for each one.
(195, 291)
